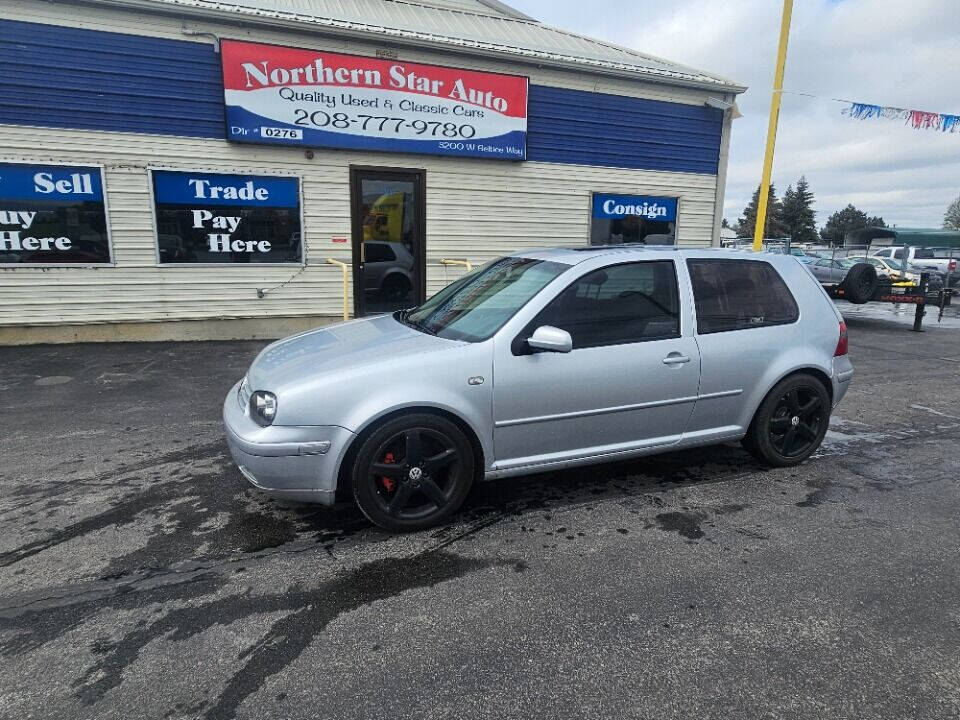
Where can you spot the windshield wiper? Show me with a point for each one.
(404, 317)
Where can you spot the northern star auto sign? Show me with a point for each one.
(291, 96)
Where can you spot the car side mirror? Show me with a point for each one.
(550, 339)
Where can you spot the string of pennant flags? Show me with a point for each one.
(916, 119)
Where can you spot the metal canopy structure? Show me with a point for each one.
(920, 237)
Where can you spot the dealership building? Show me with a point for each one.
(192, 169)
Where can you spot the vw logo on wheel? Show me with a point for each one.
(415, 473)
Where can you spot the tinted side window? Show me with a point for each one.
(619, 304)
(739, 294)
(379, 252)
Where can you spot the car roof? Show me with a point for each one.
(576, 255)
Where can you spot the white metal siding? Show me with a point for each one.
(476, 209)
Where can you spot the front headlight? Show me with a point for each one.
(263, 407)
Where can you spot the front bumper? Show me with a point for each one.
(292, 462)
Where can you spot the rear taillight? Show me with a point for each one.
(842, 342)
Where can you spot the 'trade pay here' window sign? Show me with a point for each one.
(303, 97)
(52, 215)
(216, 218)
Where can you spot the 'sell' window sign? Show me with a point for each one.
(647, 207)
(291, 96)
(215, 218)
(52, 215)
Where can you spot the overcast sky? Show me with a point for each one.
(884, 52)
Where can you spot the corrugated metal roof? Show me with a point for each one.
(453, 23)
(483, 7)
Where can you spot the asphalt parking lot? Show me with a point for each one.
(141, 577)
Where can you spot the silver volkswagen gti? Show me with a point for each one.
(539, 361)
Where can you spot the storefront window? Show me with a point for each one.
(53, 215)
(215, 218)
(619, 219)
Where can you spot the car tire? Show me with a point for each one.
(790, 423)
(434, 472)
(395, 287)
(860, 283)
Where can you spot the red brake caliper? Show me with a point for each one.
(388, 483)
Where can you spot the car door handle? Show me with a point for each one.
(676, 359)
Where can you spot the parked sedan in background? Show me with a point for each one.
(893, 269)
(541, 361)
(831, 271)
(925, 258)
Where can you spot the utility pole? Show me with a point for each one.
(772, 127)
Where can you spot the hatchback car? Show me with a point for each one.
(540, 361)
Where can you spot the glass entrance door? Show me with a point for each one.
(387, 208)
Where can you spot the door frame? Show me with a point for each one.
(419, 177)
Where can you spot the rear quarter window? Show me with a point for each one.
(375, 252)
(739, 295)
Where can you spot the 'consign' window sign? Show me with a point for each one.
(648, 207)
(215, 218)
(52, 215)
(620, 219)
(292, 96)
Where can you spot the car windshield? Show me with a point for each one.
(848, 262)
(478, 304)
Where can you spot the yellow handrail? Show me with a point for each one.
(343, 271)
(464, 263)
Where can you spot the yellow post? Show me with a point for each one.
(772, 127)
(464, 263)
(343, 272)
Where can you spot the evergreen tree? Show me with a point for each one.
(797, 213)
(843, 221)
(725, 223)
(774, 227)
(951, 220)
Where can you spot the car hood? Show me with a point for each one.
(347, 347)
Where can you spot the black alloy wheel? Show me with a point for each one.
(791, 421)
(796, 421)
(413, 472)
